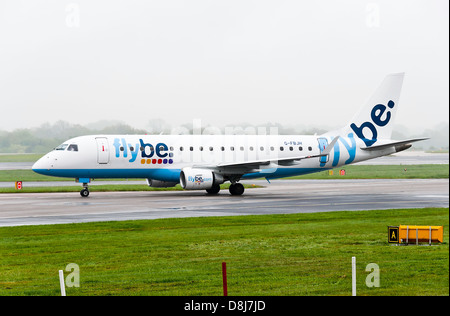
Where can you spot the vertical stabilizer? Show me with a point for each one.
(375, 119)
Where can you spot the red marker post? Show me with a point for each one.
(224, 278)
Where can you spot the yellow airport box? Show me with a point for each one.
(418, 234)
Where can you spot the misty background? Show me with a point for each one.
(71, 68)
(47, 136)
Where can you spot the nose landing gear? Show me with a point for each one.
(85, 191)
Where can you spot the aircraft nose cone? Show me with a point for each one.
(42, 166)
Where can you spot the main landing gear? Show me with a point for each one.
(235, 189)
(214, 189)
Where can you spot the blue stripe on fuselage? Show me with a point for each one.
(170, 175)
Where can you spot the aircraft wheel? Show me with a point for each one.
(84, 193)
(214, 189)
(236, 189)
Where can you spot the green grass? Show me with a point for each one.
(30, 175)
(352, 172)
(297, 254)
(383, 172)
(106, 188)
(26, 175)
(20, 157)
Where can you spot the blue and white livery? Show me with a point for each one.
(203, 162)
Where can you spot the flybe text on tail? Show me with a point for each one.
(377, 119)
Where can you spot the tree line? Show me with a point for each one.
(47, 136)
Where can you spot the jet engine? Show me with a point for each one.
(160, 184)
(199, 179)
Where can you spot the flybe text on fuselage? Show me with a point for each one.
(147, 151)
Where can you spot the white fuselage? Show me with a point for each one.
(162, 157)
(206, 161)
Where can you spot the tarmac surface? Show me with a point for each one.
(279, 197)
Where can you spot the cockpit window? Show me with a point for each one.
(62, 147)
(72, 147)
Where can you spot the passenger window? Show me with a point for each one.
(72, 147)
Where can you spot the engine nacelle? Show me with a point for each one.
(160, 184)
(199, 179)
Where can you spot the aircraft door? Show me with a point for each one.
(323, 143)
(102, 150)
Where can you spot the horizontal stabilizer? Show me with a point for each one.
(399, 146)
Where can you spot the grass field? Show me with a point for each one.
(384, 172)
(106, 188)
(298, 254)
(351, 172)
(20, 157)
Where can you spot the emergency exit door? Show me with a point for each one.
(102, 150)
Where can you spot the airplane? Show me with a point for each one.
(204, 162)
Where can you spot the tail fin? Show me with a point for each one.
(375, 119)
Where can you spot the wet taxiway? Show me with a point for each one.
(279, 197)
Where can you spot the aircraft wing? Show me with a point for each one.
(254, 165)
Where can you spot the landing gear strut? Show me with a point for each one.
(236, 189)
(85, 191)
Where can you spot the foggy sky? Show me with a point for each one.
(223, 62)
